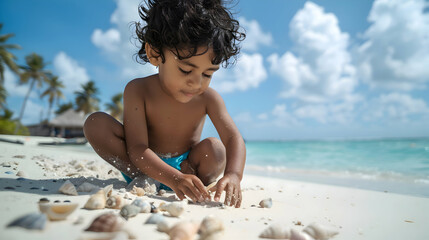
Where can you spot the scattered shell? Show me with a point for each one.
(57, 211)
(276, 231)
(21, 174)
(210, 225)
(266, 203)
(162, 192)
(68, 188)
(87, 187)
(107, 222)
(153, 209)
(174, 208)
(138, 191)
(115, 202)
(144, 206)
(320, 232)
(96, 201)
(295, 235)
(30, 221)
(150, 189)
(122, 190)
(163, 226)
(108, 190)
(129, 211)
(6, 164)
(183, 231)
(155, 219)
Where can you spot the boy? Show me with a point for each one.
(164, 113)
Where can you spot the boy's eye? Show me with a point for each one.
(184, 72)
(207, 76)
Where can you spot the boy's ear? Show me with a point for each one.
(154, 57)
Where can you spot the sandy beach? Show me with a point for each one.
(353, 213)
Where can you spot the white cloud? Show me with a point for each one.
(249, 72)
(12, 87)
(33, 113)
(321, 71)
(254, 35)
(243, 117)
(281, 117)
(395, 106)
(118, 44)
(70, 73)
(396, 52)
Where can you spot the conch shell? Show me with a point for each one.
(96, 201)
(68, 188)
(115, 202)
(138, 191)
(276, 231)
(183, 231)
(57, 211)
(175, 209)
(129, 210)
(319, 232)
(107, 222)
(209, 226)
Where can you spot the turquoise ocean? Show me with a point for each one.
(387, 165)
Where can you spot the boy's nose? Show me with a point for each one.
(195, 81)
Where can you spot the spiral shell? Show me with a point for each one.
(319, 232)
(115, 202)
(145, 207)
(183, 231)
(155, 219)
(107, 222)
(210, 225)
(276, 231)
(138, 191)
(30, 221)
(68, 188)
(266, 203)
(175, 209)
(96, 201)
(57, 211)
(129, 211)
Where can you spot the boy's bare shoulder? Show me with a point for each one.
(140, 85)
(211, 96)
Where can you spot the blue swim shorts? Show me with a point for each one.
(172, 161)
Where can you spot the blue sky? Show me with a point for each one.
(308, 69)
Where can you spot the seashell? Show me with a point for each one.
(87, 187)
(174, 208)
(138, 191)
(295, 235)
(68, 188)
(96, 201)
(57, 211)
(144, 206)
(210, 226)
(319, 232)
(276, 231)
(129, 211)
(150, 189)
(266, 203)
(21, 174)
(30, 221)
(107, 222)
(115, 202)
(155, 219)
(162, 192)
(185, 230)
(153, 209)
(108, 190)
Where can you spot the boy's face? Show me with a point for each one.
(185, 79)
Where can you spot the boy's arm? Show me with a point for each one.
(235, 149)
(136, 137)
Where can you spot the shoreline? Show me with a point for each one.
(354, 213)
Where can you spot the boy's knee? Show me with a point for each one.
(92, 121)
(215, 146)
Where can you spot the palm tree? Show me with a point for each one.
(116, 108)
(63, 108)
(53, 91)
(33, 72)
(3, 95)
(86, 100)
(7, 58)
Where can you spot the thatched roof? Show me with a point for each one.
(69, 118)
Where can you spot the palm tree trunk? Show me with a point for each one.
(49, 111)
(23, 106)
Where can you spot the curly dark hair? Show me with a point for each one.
(187, 25)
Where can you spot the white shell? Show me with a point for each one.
(320, 232)
(57, 211)
(185, 230)
(68, 188)
(87, 187)
(150, 189)
(266, 203)
(115, 202)
(295, 235)
(175, 209)
(144, 206)
(163, 226)
(138, 191)
(108, 190)
(96, 201)
(276, 231)
(210, 225)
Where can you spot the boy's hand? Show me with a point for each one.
(231, 184)
(191, 186)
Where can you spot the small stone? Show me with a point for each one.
(34, 188)
(10, 188)
(21, 174)
(19, 156)
(8, 172)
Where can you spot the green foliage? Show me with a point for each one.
(8, 127)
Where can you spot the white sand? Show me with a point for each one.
(356, 214)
